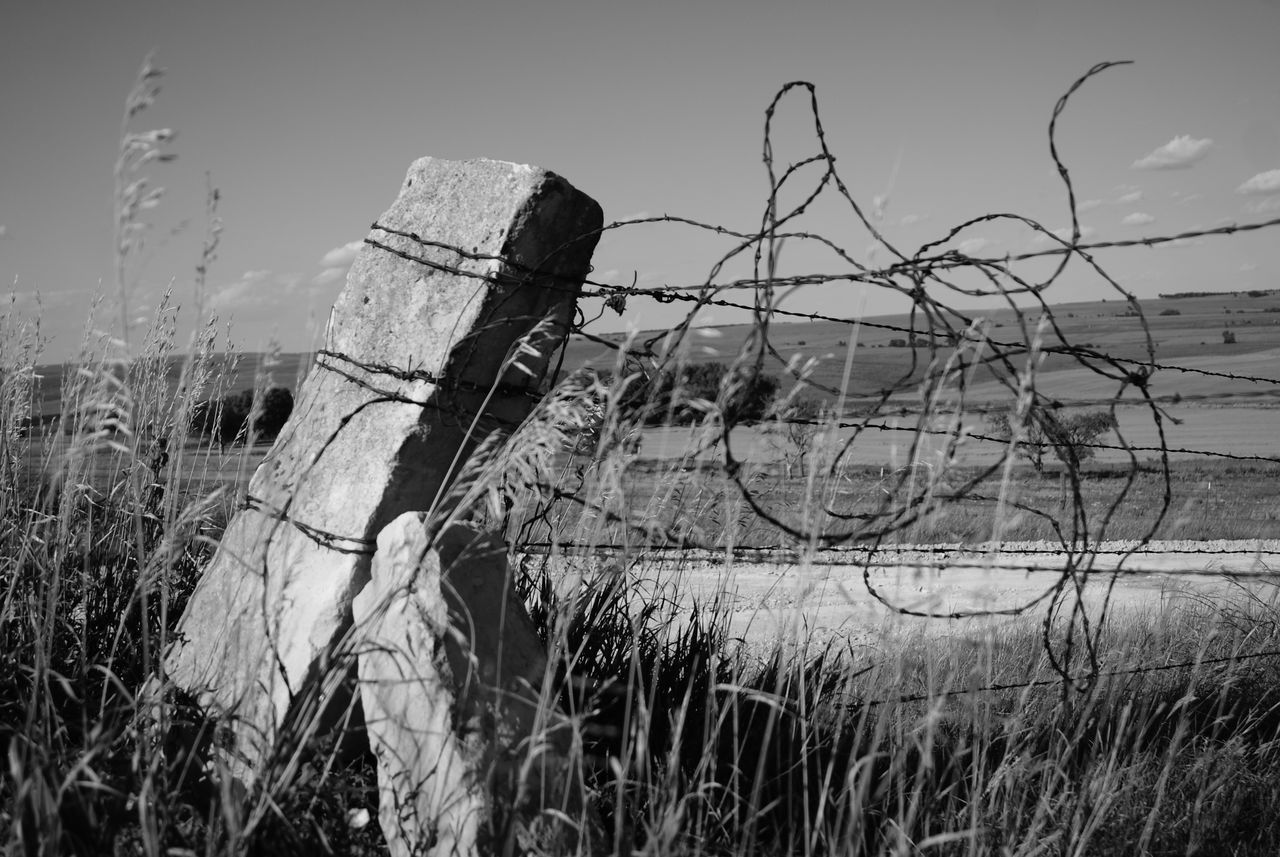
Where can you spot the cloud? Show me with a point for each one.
(1246, 267)
(1182, 242)
(1087, 205)
(1184, 198)
(1263, 184)
(257, 289)
(1138, 218)
(1129, 198)
(908, 219)
(4, 230)
(972, 246)
(249, 289)
(341, 257)
(1177, 154)
(1266, 205)
(336, 263)
(635, 215)
(329, 276)
(47, 298)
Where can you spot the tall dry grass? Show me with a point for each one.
(692, 742)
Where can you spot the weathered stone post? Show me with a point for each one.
(471, 758)
(469, 258)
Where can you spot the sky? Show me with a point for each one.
(306, 115)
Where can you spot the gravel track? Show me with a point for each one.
(839, 595)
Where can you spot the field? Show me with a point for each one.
(1131, 764)
(1191, 338)
(986, 588)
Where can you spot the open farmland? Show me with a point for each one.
(1222, 438)
(1222, 435)
(1184, 332)
(867, 597)
(477, 577)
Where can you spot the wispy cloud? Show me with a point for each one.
(248, 289)
(4, 230)
(635, 215)
(329, 276)
(972, 246)
(1128, 198)
(47, 297)
(341, 257)
(257, 290)
(1138, 218)
(1263, 184)
(1087, 205)
(1177, 154)
(336, 263)
(1246, 267)
(908, 219)
(1266, 205)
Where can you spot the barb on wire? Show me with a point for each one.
(586, 469)
(1082, 678)
(673, 459)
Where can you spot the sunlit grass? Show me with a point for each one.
(1154, 732)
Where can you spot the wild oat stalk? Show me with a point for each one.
(135, 195)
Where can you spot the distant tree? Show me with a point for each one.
(1069, 436)
(1228, 337)
(684, 396)
(234, 416)
(276, 407)
(794, 431)
(224, 420)
(1171, 311)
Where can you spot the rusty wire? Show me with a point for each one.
(946, 351)
(949, 347)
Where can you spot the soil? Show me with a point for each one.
(838, 596)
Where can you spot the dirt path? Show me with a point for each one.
(840, 595)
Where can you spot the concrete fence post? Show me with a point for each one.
(470, 258)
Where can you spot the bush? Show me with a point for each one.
(1070, 437)
(1171, 311)
(226, 419)
(1228, 337)
(277, 405)
(665, 399)
(676, 397)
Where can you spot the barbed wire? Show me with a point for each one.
(825, 557)
(669, 294)
(664, 295)
(1005, 441)
(946, 348)
(1081, 679)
